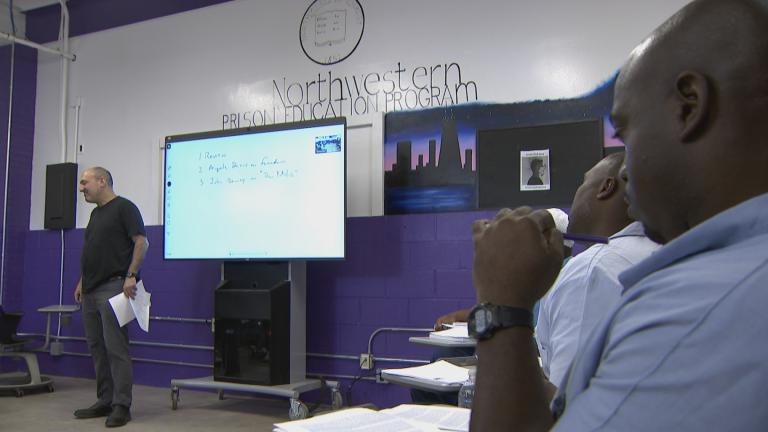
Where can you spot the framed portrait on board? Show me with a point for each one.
(534, 170)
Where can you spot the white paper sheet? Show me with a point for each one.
(403, 418)
(444, 417)
(349, 420)
(457, 332)
(122, 308)
(140, 306)
(126, 310)
(440, 371)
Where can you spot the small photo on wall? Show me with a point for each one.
(534, 170)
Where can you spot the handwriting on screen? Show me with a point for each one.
(217, 168)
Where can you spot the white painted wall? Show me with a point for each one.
(178, 74)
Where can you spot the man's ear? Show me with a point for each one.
(693, 101)
(607, 188)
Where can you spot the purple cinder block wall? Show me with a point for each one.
(184, 289)
(20, 162)
(401, 271)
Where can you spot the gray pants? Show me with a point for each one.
(108, 343)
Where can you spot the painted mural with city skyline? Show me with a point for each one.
(430, 156)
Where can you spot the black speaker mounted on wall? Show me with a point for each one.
(60, 195)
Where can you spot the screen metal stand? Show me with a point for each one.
(252, 292)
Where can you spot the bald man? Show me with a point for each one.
(588, 285)
(682, 348)
(114, 248)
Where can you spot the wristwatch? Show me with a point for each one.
(486, 318)
(130, 275)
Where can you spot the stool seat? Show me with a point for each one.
(12, 346)
(59, 309)
(29, 381)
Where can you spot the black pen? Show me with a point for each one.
(585, 238)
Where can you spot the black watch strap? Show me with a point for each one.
(509, 316)
(486, 318)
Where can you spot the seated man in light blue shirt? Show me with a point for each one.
(588, 286)
(682, 350)
(418, 396)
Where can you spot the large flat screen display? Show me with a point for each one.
(266, 193)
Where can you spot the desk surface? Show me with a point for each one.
(59, 309)
(422, 340)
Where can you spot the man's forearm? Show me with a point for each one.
(510, 387)
(139, 251)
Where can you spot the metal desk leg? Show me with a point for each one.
(174, 397)
(47, 333)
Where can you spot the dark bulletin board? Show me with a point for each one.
(573, 149)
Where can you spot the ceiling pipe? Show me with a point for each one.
(64, 44)
(7, 174)
(37, 46)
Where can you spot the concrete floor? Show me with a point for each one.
(151, 411)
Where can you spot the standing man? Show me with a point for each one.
(115, 244)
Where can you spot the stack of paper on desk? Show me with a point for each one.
(440, 371)
(403, 418)
(457, 333)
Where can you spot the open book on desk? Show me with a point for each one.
(402, 418)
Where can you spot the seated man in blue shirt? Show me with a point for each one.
(681, 350)
(588, 284)
(425, 397)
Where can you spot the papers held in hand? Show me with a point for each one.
(126, 310)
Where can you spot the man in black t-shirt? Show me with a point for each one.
(114, 248)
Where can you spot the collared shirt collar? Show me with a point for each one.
(726, 228)
(635, 229)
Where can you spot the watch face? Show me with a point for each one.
(482, 319)
(331, 30)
